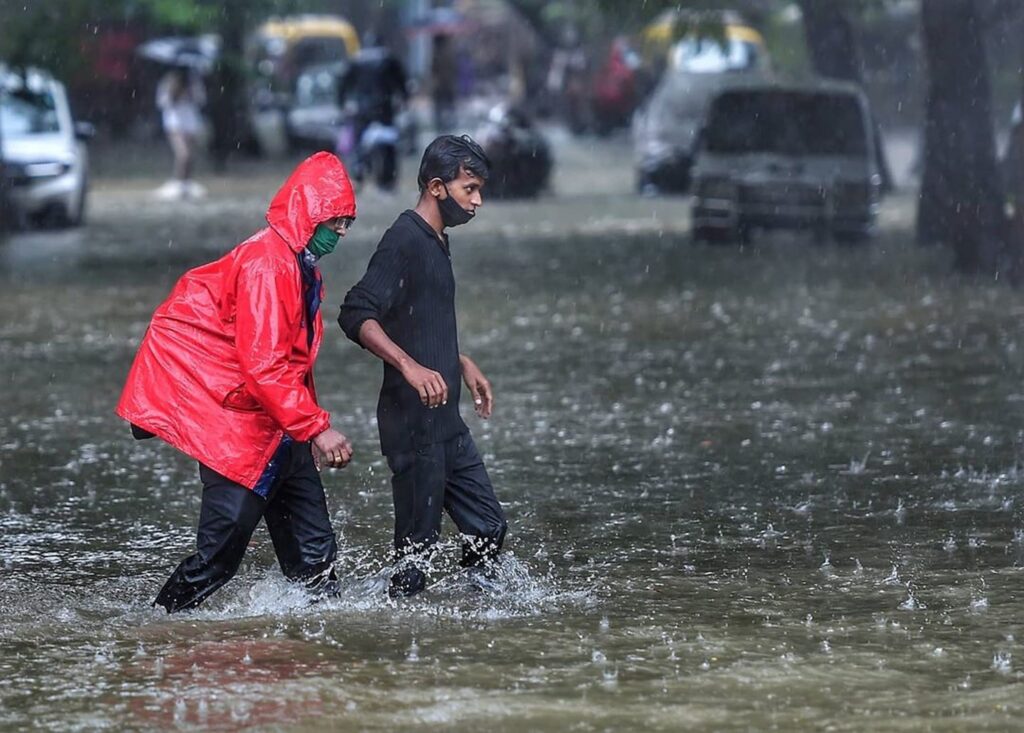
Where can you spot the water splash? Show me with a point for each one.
(911, 603)
(858, 466)
(1002, 662)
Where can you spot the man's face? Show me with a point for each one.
(464, 188)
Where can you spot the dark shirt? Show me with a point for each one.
(409, 288)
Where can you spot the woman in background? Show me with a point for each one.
(179, 97)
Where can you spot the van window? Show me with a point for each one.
(25, 112)
(318, 50)
(789, 123)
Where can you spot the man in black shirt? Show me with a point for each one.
(403, 311)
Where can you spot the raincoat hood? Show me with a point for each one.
(317, 190)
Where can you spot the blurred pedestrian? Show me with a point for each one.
(374, 85)
(566, 81)
(443, 82)
(403, 311)
(179, 97)
(224, 374)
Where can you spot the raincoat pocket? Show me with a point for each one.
(240, 400)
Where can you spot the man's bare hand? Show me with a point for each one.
(332, 449)
(479, 387)
(428, 384)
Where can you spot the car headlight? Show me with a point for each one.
(48, 169)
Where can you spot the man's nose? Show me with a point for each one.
(477, 200)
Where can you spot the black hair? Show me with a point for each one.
(443, 158)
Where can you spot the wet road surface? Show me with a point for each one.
(768, 488)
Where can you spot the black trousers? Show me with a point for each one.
(295, 511)
(443, 477)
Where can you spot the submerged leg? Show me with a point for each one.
(470, 501)
(417, 484)
(227, 518)
(300, 526)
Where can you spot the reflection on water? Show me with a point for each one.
(775, 487)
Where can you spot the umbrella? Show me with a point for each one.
(198, 53)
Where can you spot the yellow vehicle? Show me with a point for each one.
(282, 47)
(704, 43)
(277, 54)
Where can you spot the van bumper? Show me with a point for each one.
(722, 213)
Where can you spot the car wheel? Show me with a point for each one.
(76, 218)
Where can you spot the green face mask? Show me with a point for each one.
(323, 241)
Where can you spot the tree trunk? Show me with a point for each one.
(227, 103)
(962, 197)
(830, 38)
(835, 54)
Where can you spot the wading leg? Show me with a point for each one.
(227, 518)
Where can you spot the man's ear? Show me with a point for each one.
(435, 187)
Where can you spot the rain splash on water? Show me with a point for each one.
(771, 487)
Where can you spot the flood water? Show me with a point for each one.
(769, 488)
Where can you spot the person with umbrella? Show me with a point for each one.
(180, 96)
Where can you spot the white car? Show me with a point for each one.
(43, 150)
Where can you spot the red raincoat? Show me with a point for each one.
(225, 368)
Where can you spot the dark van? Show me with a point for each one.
(783, 155)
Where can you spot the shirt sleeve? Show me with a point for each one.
(268, 318)
(380, 289)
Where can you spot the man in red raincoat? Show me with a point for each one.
(225, 375)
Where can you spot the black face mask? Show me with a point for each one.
(452, 215)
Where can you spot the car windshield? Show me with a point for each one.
(24, 112)
(318, 50)
(791, 123)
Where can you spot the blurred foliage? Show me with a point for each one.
(58, 49)
(67, 22)
(186, 16)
